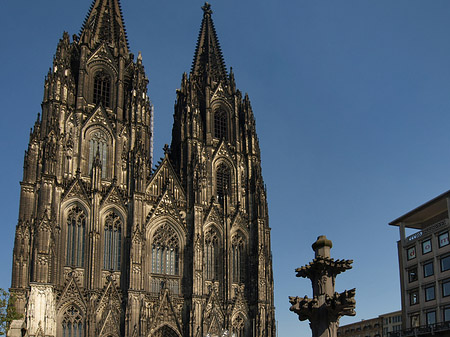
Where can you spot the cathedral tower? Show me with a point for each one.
(215, 153)
(88, 161)
(107, 246)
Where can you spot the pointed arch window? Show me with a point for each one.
(72, 322)
(212, 254)
(238, 258)
(112, 241)
(98, 144)
(223, 180)
(220, 124)
(165, 251)
(76, 227)
(102, 88)
(238, 326)
(165, 331)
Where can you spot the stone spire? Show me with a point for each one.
(208, 60)
(104, 23)
(326, 306)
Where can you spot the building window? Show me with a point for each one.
(165, 251)
(98, 144)
(102, 88)
(446, 288)
(238, 326)
(72, 323)
(428, 269)
(415, 320)
(220, 124)
(238, 256)
(429, 293)
(443, 239)
(431, 317)
(76, 227)
(411, 253)
(447, 314)
(445, 263)
(426, 246)
(414, 297)
(412, 274)
(222, 180)
(112, 242)
(212, 254)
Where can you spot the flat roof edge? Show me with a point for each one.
(397, 221)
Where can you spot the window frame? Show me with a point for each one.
(113, 226)
(446, 242)
(220, 120)
(76, 229)
(441, 262)
(102, 88)
(427, 317)
(426, 289)
(414, 297)
(443, 288)
(411, 253)
(410, 271)
(424, 267)
(427, 249)
(446, 318)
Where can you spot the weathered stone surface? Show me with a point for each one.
(327, 306)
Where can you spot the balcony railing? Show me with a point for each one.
(423, 330)
(430, 229)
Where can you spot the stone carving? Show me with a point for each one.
(41, 310)
(327, 306)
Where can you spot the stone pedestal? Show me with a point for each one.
(327, 306)
(15, 329)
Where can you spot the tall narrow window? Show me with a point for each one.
(102, 88)
(98, 144)
(112, 242)
(222, 180)
(220, 124)
(212, 254)
(238, 256)
(76, 226)
(165, 251)
(238, 326)
(72, 323)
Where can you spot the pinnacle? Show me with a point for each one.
(104, 23)
(208, 59)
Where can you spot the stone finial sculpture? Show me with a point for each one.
(327, 306)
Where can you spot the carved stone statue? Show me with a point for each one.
(327, 306)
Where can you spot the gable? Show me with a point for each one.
(166, 206)
(76, 190)
(165, 178)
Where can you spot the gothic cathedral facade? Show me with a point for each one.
(108, 246)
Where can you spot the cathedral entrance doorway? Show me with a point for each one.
(165, 331)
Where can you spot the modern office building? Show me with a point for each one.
(424, 261)
(381, 326)
(391, 322)
(365, 328)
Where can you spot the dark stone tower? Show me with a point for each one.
(105, 246)
(215, 153)
(85, 171)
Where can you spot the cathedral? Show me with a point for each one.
(108, 245)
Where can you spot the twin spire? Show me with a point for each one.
(104, 23)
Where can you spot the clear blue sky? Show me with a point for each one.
(351, 98)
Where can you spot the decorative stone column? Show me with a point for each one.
(327, 306)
